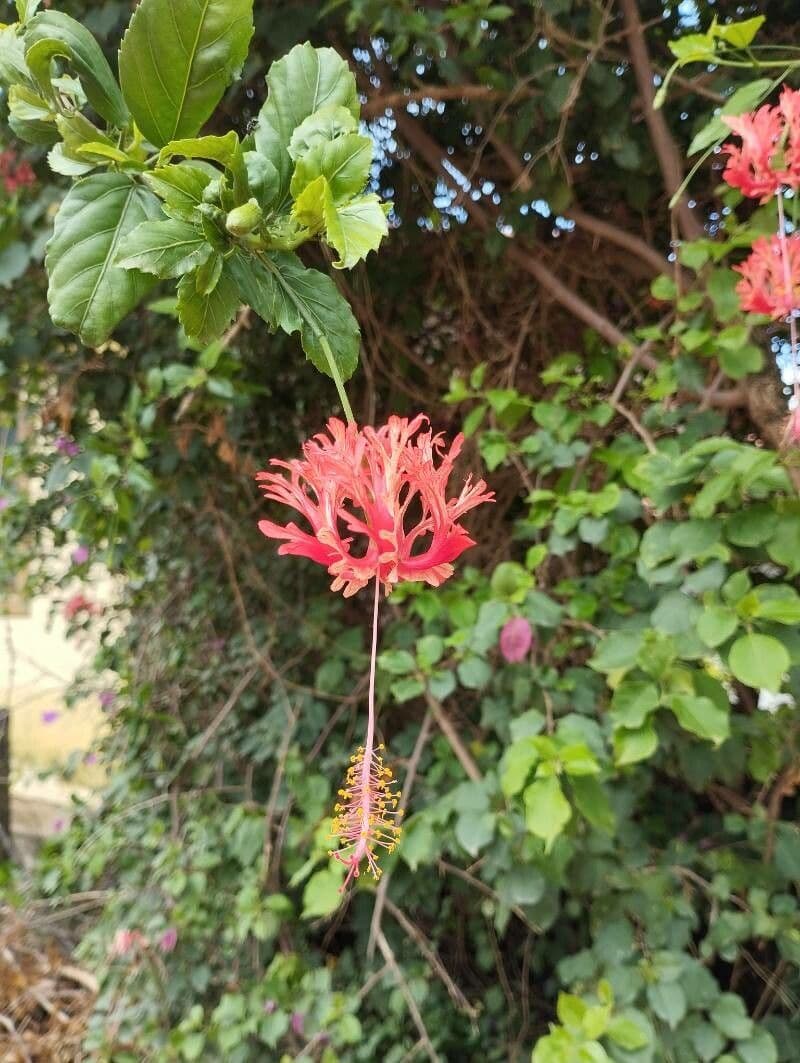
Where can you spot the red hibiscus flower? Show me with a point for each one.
(763, 288)
(375, 500)
(769, 155)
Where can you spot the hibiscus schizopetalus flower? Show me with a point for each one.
(769, 155)
(375, 500)
(763, 288)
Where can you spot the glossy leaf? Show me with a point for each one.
(88, 294)
(176, 60)
(163, 248)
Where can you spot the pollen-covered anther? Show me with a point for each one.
(366, 820)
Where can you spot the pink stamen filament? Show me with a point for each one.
(787, 280)
(367, 816)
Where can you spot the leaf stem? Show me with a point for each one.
(337, 378)
(788, 281)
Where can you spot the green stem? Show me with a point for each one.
(337, 378)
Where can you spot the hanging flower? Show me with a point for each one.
(763, 288)
(384, 487)
(516, 639)
(127, 941)
(769, 156)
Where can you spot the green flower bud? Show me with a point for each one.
(243, 220)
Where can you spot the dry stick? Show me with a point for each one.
(433, 958)
(411, 774)
(224, 712)
(669, 159)
(487, 890)
(388, 955)
(451, 734)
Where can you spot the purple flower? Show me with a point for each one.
(50, 716)
(298, 1023)
(80, 555)
(90, 758)
(4, 504)
(68, 447)
(58, 825)
(269, 1007)
(168, 940)
(516, 639)
(107, 699)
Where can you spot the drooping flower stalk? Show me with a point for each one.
(375, 506)
(367, 818)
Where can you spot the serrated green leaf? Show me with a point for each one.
(321, 895)
(355, 229)
(716, 624)
(163, 248)
(288, 296)
(627, 1033)
(631, 746)
(180, 187)
(344, 163)
(206, 316)
(176, 60)
(88, 294)
(326, 124)
(53, 33)
(225, 150)
(301, 83)
(30, 116)
(633, 702)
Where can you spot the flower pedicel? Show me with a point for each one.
(376, 502)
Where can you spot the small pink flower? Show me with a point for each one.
(68, 447)
(127, 941)
(80, 555)
(107, 699)
(90, 758)
(516, 639)
(58, 825)
(50, 716)
(298, 1023)
(168, 940)
(270, 1007)
(4, 504)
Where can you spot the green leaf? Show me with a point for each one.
(206, 315)
(407, 688)
(739, 34)
(301, 83)
(633, 702)
(13, 68)
(730, 1017)
(180, 187)
(26, 9)
(321, 895)
(52, 33)
(517, 762)
(344, 163)
(759, 661)
(627, 1033)
(326, 124)
(287, 295)
(30, 116)
(475, 830)
(88, 294)
(354, 229)
(632, 746)
(668, 1001)
(700, 716)
(760, 1048)
(225, 150)
(694, 47)
(163, 248)
(176, 60)
(396, 662)
(744, 99)
(716, 624)
(474, 672)
(593, 804)
(547, 811)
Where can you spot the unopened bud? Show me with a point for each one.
(243, 220)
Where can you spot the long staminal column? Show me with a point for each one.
(367, 818)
